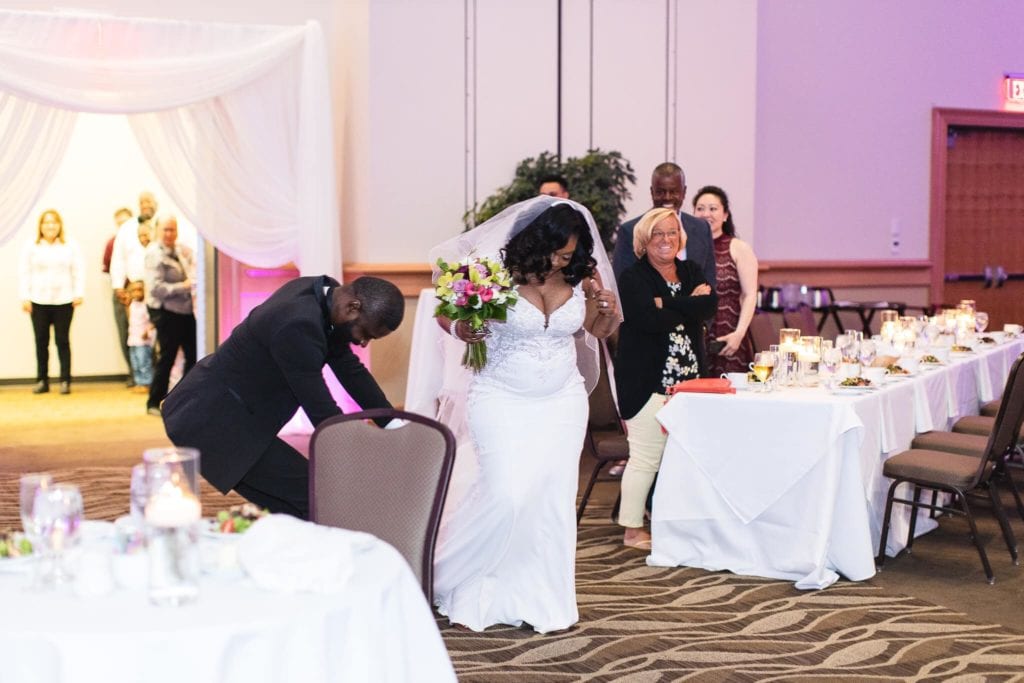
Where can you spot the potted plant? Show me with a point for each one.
(598, 180)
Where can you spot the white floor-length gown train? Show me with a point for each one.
(507, 552)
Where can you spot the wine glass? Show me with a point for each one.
(29, 484)
(867, 352)
(764, 366)
(831, 359)
(980, 321)
(57, 513)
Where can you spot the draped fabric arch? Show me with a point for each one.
(234, 119)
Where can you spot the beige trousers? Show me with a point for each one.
(646, 444)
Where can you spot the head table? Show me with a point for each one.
(789, 484)
(377, 628)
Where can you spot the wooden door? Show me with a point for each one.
(983, 216)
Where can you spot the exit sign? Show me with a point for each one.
(1015, 88)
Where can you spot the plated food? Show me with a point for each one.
(855, 382)
(931, 360)
(895, 369)
(237, 519)
(956, 348)
(14, 544)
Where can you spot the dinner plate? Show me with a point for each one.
(898, 378)
(854, 390)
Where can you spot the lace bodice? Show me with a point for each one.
(525, 357)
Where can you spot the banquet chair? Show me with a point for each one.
(991, 408)
(959, 472)
(762, 332)
(391, 483)
(606, 438)
(801, 317)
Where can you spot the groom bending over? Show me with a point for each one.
(234, 402)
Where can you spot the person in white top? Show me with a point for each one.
(51, 282)
(128, 258)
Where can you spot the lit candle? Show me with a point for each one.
(170, 506)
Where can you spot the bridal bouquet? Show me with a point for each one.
(475, 290)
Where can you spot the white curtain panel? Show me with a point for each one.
(234, 119)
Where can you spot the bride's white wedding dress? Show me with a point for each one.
(506, 553)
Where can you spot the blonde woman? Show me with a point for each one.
(664, 303)
(51, 281)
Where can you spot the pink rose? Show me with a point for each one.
(486, 294)
(461, 300)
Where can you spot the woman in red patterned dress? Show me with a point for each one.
(736, 271)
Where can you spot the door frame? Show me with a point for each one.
(942, 119)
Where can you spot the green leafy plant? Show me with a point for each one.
(598, 180)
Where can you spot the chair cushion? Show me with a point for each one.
(990, 409)
(974, 424)
(979, 424)
(952, 442)
(939, 467)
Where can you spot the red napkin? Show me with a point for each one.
(704, 385)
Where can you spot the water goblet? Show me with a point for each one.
(57, 513)
(980, 321)
(29, 484)
(867, 353)
(831, 359)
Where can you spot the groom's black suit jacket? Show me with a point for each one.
(232, 404)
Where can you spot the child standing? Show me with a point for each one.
(140, 338)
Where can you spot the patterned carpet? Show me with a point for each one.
(638, 623)
(646, 624)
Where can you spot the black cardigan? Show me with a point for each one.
(643, 335)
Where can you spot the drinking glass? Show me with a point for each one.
(29, 484)
(138, 492)
(57, 513)
(980, 321)
(831, 359)
(867, 353)
(847, 344)
(764, 366)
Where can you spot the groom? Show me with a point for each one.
(234, 402)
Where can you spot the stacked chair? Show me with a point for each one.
(961, 463)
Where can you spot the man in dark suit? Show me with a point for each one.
(234, 402)
(668, 188)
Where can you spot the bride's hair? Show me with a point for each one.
(529, 252)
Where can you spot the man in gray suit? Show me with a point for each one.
(668, 189)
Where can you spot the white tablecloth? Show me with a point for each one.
(789, 484)
(378, 629)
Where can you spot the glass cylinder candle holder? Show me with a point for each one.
(789, 339)
(172, 514)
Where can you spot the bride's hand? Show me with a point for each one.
(465, 332)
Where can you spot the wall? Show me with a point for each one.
(102, 170)
(845, 93)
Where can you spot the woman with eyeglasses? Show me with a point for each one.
(664, 302)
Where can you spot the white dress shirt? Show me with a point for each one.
(51, 273)
(128, 258)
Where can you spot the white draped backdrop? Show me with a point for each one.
(235, 121)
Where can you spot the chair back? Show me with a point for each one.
(1006, 430)
(604, 414)
(391, 483)
(801, 317)
(762, 332)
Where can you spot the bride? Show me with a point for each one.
(506, 551)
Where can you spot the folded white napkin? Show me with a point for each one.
(282, 553)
